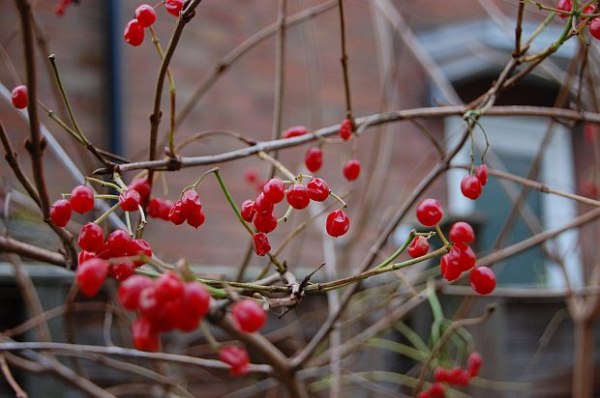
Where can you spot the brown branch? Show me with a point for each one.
(372, 121)
(30, 251)
(344, 60)
(19, 392)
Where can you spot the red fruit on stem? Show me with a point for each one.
(60, 212)
(263, 205)
(146, 15)
(84, 256)
(297, 196)
(169, 286)
(440, 375)
(142, 186)
(483, 280)
(313, 159)
(261, 244)
(462, 233)
(196, 299)
(130, 290)
(248, 211)
(465, 257)
(190, 202)
(418, 247)
(174, 7)
(295, 131)
(176, 214)
(449, 269)
(19, 97)
(82, 199)
(481, 172)
(91, 275)
(458, 377)
(134, 33)
(121, 271)
(337, 223)
(346, 128)
(145, 335)
(274, 190)
(235, 357)
(429, 212)
(474, 363)
(196, 218)
(436, 391)
(595, 27)
(119, 242)
(352, 170)
(91, 237)
(248, 315)
(139, 247)
(265, 222)
(318, 190)
(566, 6)
(470, 187)
(129, 200)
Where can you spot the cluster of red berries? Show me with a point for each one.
(472, 185)
(565, 7)
(461, 257)
(118, 245)
(19, 97)
(298, 196)
(188, 208)
(457, 377)
(163, 304)
(236, 358)
(145, 16)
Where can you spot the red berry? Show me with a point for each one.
(440, 375)
(261, 244)
(449, 269)
(595, 27)
(19, 97)
(265, 222)
(483, 280)
(134, 33)
(248, 315)
(274, 190)
(317, 189)
(474, 363)
(82, 199)
(346, 128)
(436, 391)
(196, 299)
(119, 242)
(169, 286)
(122, 271)
(263, 205)
(248, 211)
(462, 233)
(174, 7)
(91, 275)
(297, 196)
(481, 172)
(352, 170)
(196, 218)
(91, 237)
(470, 187)
(251, 176)
(564, 5)
(190, 202)
(84, 256)
(235, 357)
(337, 223)
(146, 15)
(458, 377)
(295, 131)
(313, 159)
(130, 290)
(176, 214)
(418, 247)
(465, 256)
(142, 186)
(145, 335)
(129, 200)
(60, 212)
(429, 212)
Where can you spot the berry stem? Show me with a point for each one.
(139, 231)
(104, 183)
(398, 251)
(442, 237)
(214, 344)
(172, 92)
(286, 215)
(278, 165)
(106, 213)
(339, 199)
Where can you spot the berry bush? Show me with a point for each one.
(377, 261)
